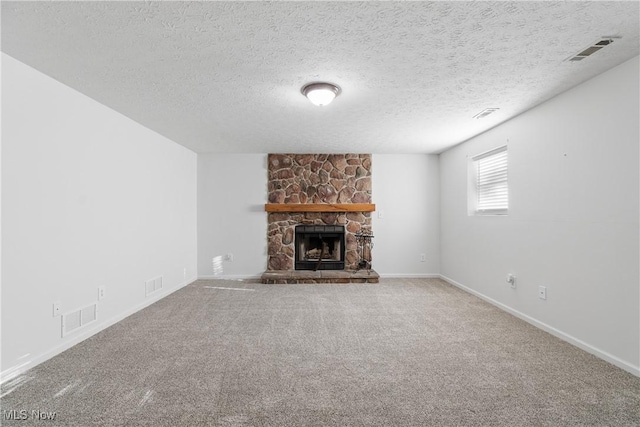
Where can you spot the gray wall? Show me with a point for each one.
(573, 217)
(232, 191)
(407, 221)
(89, 199)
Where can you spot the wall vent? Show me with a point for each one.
(79, 319)
(152, 285)
(485, 113)
(592, 48)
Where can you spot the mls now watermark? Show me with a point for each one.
(23, 414)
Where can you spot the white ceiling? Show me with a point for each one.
(226, 76)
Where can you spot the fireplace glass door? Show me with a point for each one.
(319, 247)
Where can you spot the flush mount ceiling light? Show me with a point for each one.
(321, 93)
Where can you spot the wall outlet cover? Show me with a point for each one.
(542, 292)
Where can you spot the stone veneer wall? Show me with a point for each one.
(316, 178)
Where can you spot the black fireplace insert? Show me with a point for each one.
(319, 247)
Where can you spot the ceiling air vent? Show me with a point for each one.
(593, 48)
(485, 113)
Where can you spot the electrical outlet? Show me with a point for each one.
(423, 257)
(380, 214)
(542, 292)
(184, 273)
(56, 309)
(229, 257)
(102, 292)
(511, 279)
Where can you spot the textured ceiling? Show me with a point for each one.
(226, 76)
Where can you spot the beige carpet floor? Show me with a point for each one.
(398, 353)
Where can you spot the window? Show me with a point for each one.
(489, 187)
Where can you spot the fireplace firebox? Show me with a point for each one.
(319, 247)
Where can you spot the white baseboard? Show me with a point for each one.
(635, 370)
(409, 276)
(25, 365)
(231, 277)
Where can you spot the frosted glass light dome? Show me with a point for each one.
(321, 93)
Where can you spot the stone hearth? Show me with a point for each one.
(320, 276)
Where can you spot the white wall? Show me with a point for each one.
(405, 189)
(89, 199)
(232, 191)
(573, 217)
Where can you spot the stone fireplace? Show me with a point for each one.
(329, 191)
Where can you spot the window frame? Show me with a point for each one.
(474, 191)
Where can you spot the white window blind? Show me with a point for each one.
(491, 183)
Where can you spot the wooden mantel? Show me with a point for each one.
(320, 207)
